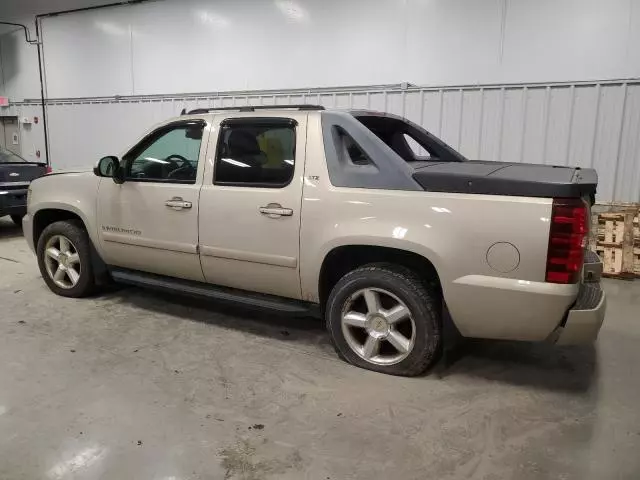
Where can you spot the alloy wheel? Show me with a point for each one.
(62, 261)
(378, 326)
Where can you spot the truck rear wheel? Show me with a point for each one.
(64, 258)
(382, 317)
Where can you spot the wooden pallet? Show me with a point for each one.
(615, 236)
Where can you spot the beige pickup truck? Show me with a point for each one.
(366, 215)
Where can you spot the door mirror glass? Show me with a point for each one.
(106, 166)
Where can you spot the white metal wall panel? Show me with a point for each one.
(140, 49)
(89, 54)
(431, 110)
(470, 125)
(557, 126)
(628, 178)
(576, 39)
(534, 125)
(395, 102)
(589, 125)
(413, 106)
(583, 125)
(491, 123)
(452, 41)
(450, 118)
(607, 146)
(513, 115)
(206, 45)
(19, 66)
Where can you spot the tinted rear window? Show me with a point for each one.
(256, 152)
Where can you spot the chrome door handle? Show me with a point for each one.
(177, 203)
(275, 210)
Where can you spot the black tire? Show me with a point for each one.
(75, 232)
(423, 304)
(17, 219)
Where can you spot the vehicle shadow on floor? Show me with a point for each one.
(9, 230)
(303, 330)
(538, 365)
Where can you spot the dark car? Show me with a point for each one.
(15, 176)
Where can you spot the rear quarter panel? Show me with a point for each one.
(454, 232)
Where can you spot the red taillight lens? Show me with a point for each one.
(49, 170)
(567, 237)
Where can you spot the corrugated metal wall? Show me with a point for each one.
(584, 124)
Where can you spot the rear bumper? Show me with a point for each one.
(509, 309)
(13, 202)
(585, 317)
(583, 320)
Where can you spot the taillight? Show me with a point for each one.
(567, 240)
(49, 170)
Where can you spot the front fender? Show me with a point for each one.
(71, 192)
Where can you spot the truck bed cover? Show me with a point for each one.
(502, 178)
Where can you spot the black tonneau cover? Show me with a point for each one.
(501, 178)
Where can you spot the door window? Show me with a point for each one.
(170, 154)
(256, 152)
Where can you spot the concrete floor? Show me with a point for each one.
(136, 385)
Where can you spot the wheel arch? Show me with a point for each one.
(48, 215)
(347, 257)
(45, 216)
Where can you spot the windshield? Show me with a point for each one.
(7, 156)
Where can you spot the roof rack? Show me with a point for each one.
(251, 108)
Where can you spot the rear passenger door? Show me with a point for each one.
(249, 221)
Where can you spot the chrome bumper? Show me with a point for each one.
(584, 319)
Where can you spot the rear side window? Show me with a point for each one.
(256, 152)
(349, 149)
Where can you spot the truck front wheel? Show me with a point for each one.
(382, 317)
(64, 258)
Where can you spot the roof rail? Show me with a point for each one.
(251, 108)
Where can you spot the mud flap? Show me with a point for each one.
(453, 344)
(100, 271)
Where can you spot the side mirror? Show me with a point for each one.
(109, 167)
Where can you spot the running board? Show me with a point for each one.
(214, 292)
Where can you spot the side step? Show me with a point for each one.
(204, 290)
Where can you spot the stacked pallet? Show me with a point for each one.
(615, 237)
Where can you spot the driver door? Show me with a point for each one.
(150, 222)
